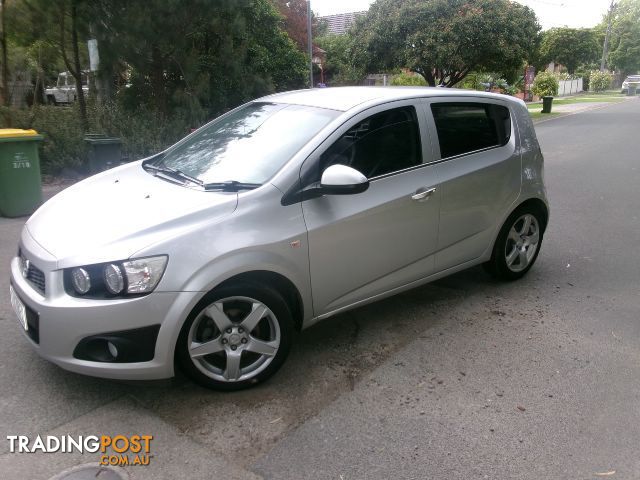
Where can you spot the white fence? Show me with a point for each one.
(569, 87)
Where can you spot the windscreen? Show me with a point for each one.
(249, 145)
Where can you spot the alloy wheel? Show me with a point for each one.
(522, 243)
(234, 339)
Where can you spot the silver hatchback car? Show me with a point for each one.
(278, 214)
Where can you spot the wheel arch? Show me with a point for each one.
(278, 282)
(533, 202)
(536, 204)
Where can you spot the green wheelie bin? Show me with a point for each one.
(20, 183)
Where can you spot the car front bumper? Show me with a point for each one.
(64, 321)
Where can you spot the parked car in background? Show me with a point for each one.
(631, 81)
(64, 91)
(281, 213)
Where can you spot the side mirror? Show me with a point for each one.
(336, 180)
(342, 180)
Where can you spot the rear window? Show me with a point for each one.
(470, 126)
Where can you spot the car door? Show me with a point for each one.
(479, 171)
(365, 244)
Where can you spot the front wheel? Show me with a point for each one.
(236, 337)
(518, 244)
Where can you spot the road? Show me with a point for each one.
(464, 378)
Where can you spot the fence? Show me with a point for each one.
(569, 87)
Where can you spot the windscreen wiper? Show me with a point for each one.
(172, 173)
(230, 186)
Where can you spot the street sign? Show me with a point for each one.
(94, 58)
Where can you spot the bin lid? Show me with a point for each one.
(12, 134)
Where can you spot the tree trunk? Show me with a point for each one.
(78, 69)
(427, 75)
(157, 81)
(4, 91)
(74, 69)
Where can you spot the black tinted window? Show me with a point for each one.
(467, 127)
(383, 143)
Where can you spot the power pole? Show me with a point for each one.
(309, 42)
(605, 48)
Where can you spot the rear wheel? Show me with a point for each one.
(236, 336)
(518, 244)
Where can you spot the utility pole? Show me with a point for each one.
(605, 48)
(309, 42)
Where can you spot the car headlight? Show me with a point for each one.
(137, 276)
(81, 280)
(113, 279)
(144, 274)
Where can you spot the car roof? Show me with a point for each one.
(633, 77)
(346, 98)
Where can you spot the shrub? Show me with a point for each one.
(63, 145)
(599, 81)
(545, 84)
(585, 78)
(142, 131)
(511, 90)
(408, 80)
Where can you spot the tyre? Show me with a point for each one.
(518, 244)
(236, 337)
(51, 100)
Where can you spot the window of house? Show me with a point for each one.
(468, 127)
(383, 143)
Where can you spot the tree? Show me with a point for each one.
(4, 89)
(71, 9)
(294, 13)
(339, 67)
(59, 25)
(443, 40)
(197, 57)
(625, 39)
(571, 47)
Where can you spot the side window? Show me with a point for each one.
(470, 126)
(383, 143)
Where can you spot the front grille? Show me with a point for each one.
(36, 278)
(32, 274)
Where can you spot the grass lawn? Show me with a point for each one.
(610, 96)
(538, 115)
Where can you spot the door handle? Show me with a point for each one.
(423, 195)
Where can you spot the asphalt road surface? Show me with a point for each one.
(464, 378)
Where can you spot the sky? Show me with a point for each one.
(551, 13)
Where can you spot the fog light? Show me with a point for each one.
(81, 280)
(113, 279)
(113, 350)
